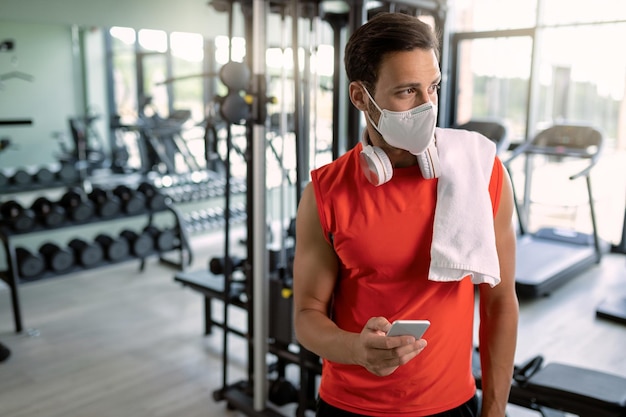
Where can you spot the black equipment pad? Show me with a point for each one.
(613, 308)
(584, 392)
(545, 264)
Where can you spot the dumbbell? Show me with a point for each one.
(132, 201)
(239, 211)
(56, 258)
(194, 220)
(20, 177)
(47, 212)
(67, 173)
(86, 253)
(43, 176)
(164, 240)
(106, 203)
(17, 217)
(4, 180)
(154, 199)
(77, 206)
(282, 392)
(29, 264)
(115, 249)
(218, 265)
(141, 244)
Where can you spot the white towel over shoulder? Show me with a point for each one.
(463, 237)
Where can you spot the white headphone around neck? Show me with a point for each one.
(378, 169)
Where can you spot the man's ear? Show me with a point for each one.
(357, 96)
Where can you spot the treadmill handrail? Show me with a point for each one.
(531, 147)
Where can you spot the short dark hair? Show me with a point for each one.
(385, 33)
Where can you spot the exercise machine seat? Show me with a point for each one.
(582, 391)
(557, 388)
(492, 129)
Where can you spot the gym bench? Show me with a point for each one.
(213, 286)
(556, 388)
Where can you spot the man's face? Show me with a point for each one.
(406, 80)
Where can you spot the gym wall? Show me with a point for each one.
(45, 39)
(43, 51)
(181, 15)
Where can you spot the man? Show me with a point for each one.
(379, 231)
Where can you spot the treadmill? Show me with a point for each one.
(550, 257)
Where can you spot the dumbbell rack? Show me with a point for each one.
(12, 276)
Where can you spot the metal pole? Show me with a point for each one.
(260, 264)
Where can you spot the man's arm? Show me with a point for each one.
(315, 274)
(499, 311)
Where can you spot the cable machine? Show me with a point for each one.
(265, 292)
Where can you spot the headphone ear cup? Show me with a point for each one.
(428, 162)
(375, 165)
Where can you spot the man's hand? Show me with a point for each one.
(380, 354)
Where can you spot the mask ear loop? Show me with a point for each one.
(375, 105)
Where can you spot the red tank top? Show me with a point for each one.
(382, 238)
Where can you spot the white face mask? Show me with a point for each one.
(412, 130)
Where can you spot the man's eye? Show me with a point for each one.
(433, 88)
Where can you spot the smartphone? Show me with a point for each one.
(414, 328)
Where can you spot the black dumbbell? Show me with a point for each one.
(115, 249)
(155, 201)
(56, 258)
(86, 253)
(141, 244)
(67, 173)
(77, 206)
(48, 213)
(132, 201)
(17, 217)
(218, 265)
(282, 392)
(43, 176)
(164, 240)
(4, 180)
(29, 265)
(21, 177)
(106, 203)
